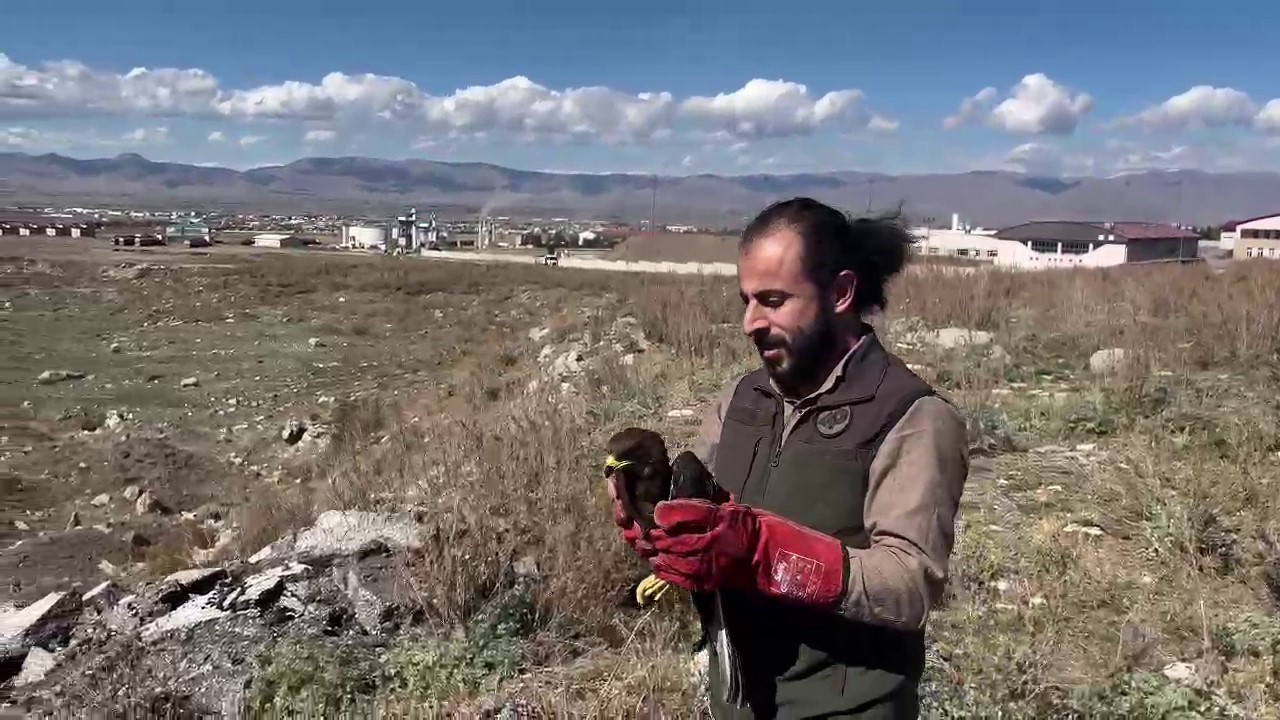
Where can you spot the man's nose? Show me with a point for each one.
(753, 320)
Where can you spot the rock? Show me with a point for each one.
(293, 432)
(46, 623)
(136, 540)
(1107, 361)
(177, 587)
(339, 533)
(190, 382)
(100, 500)
(148, 503)
(21, 525)
(1183, 673)
(199, 609)
(262, 589)
(526, 567)
(103, 596)
(537, 334)
(680, 413)
(73, 522)
(115, 348)
(131, 493)
(954, 337)
(114, 420)
(49, 377)
(314, 343)
(37, 664)
(569, 362)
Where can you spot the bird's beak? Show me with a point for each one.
(611, 464)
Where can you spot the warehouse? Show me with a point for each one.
(27, 223)
(1050, 244)
(1257, 237)
(278, 240)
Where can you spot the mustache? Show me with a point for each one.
(769, 342)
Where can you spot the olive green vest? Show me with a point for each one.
(802, 662)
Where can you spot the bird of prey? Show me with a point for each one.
(643, 477)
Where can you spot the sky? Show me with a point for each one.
(1051, 88)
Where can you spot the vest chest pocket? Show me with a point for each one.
(821, 486)
(743, 439)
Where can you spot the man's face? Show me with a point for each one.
(788, 319)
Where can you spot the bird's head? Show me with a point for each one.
(634, 446)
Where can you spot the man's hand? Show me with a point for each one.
(631, 532)
(701, 547)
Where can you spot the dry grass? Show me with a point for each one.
(1079, 574)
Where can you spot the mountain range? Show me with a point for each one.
(351, 185)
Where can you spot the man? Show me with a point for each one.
(845, 472)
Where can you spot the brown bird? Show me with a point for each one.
(643, 478)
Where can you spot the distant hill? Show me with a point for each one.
(357, 184)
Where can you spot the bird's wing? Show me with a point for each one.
(690, 478)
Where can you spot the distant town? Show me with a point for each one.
(1043, 244)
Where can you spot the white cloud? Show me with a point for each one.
(1036, 159)
(775, 108)
(320, 136)
(23, 138)
(882, 125)
(1203, 106)
(217, 136)
(516, 107)
(248, 140)
(148, 136)
(1040, 106)
(67, 87)
(971, 108)
(1268, 119)
(1035, 106)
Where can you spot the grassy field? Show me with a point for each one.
(1119, 548)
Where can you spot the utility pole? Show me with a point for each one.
(653, 208)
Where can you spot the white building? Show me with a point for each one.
(1061, 244)
(363, 237)
(278, 240)
(1254, 238)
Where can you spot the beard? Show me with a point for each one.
(802, 355)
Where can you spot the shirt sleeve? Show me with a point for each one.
(913, 494)
(712, 423)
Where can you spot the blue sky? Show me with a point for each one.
(1052, 88)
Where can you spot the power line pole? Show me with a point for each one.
(653, 209)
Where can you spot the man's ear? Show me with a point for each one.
(842, 292)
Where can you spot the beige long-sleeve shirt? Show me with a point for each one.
(913, 494)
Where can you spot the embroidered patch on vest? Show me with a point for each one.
(831, 423)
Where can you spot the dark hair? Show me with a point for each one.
(873, 248)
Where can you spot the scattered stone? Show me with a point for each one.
(49, 377)
(680, 413)
(1183, 673)
(21, 525)
(45, 623)
(149, 503)
(115, 348)
(1090, 530)
(569, 362)
(73, 522)
(954, 337)
(343, 532)
(177, 587)
(37, 664)
(103, 597)
(190, 382)
(537, 334)
(263, 589)
(131, 493)
(199, 609)
(314, 343)
(1107, 361)
(100, 500)
(293, 432)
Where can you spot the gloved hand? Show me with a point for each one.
(701, 547)
(632, 535)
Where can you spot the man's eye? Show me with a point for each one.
(772, 301)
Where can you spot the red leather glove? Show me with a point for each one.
(632, 535)
(701, 547)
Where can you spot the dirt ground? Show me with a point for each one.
(182, 376)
